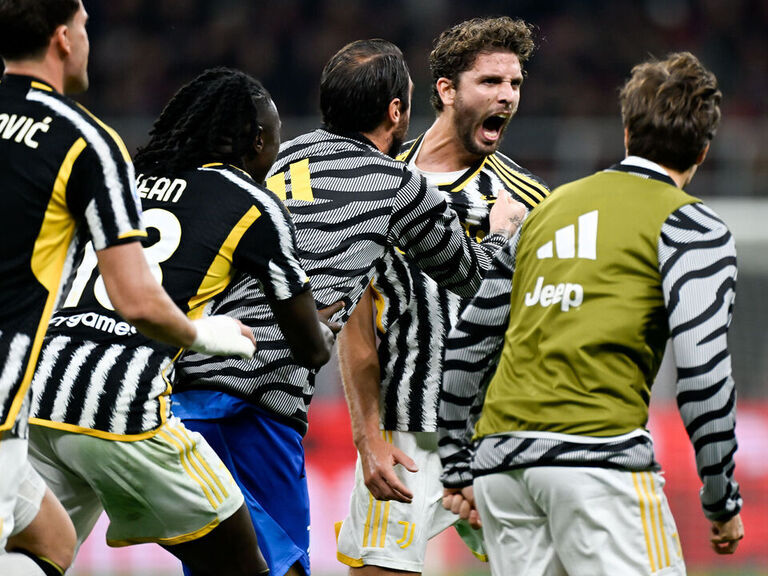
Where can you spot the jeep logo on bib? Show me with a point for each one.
(566, 294)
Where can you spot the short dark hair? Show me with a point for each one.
(671, 110)
(213, 118)
(457, 48)
(359, 82)
(26, 26)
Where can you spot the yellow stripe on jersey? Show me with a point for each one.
(184, 462)
(528, 188)
(276, 184)
(219, 273)
(47, 263)
(300, 187)
(133, 234)
(109, 130)
(467, 179)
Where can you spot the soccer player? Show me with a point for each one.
(66, 177)
(569, 328)
(103, 435)
(349, 200)
(391, 389)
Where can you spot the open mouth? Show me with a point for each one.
(493, 126)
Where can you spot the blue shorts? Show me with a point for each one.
(266, 458)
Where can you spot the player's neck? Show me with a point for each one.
(44, 69)
(442, 150)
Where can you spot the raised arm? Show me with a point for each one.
(471, 354)
(428, 231)
(697, 261)
(140, 299)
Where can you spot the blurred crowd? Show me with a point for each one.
(142, 50)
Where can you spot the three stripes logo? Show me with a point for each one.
(570, 242)
(565, 244)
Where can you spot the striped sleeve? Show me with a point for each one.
(697, 261)
(426, 229)
(471, 356)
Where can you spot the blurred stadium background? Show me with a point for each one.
(568, 126)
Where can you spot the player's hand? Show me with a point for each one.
(507, 214)
(325, 314)
(462, 502)
(725, 536)
(223, 336)
(379, 459)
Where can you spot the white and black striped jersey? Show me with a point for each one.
(97, 374)
(414, 313)
(697, 268)
(349, 203)
(66, 177)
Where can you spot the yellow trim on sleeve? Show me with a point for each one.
(132, 234)
(219, 273)
(379, 303)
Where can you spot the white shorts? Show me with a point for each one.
(394, 534)
(563, 521)
(169, 488)
(13, 460)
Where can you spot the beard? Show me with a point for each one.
(466, 122)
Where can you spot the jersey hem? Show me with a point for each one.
(97, 433)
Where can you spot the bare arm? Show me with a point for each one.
(359, 366)
(140, 299)
(309, 335)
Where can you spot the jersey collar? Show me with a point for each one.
(643, 168)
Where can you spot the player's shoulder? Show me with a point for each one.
(500, 162)
(240, 186)
(329, 150)
(528, 187)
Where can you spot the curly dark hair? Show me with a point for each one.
(457, 48)
(26, 26)
(359, 82)
(671, 110)
(213, 118)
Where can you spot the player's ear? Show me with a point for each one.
(60, 40)
(258, 140)
(446, 90)
(394, 110)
